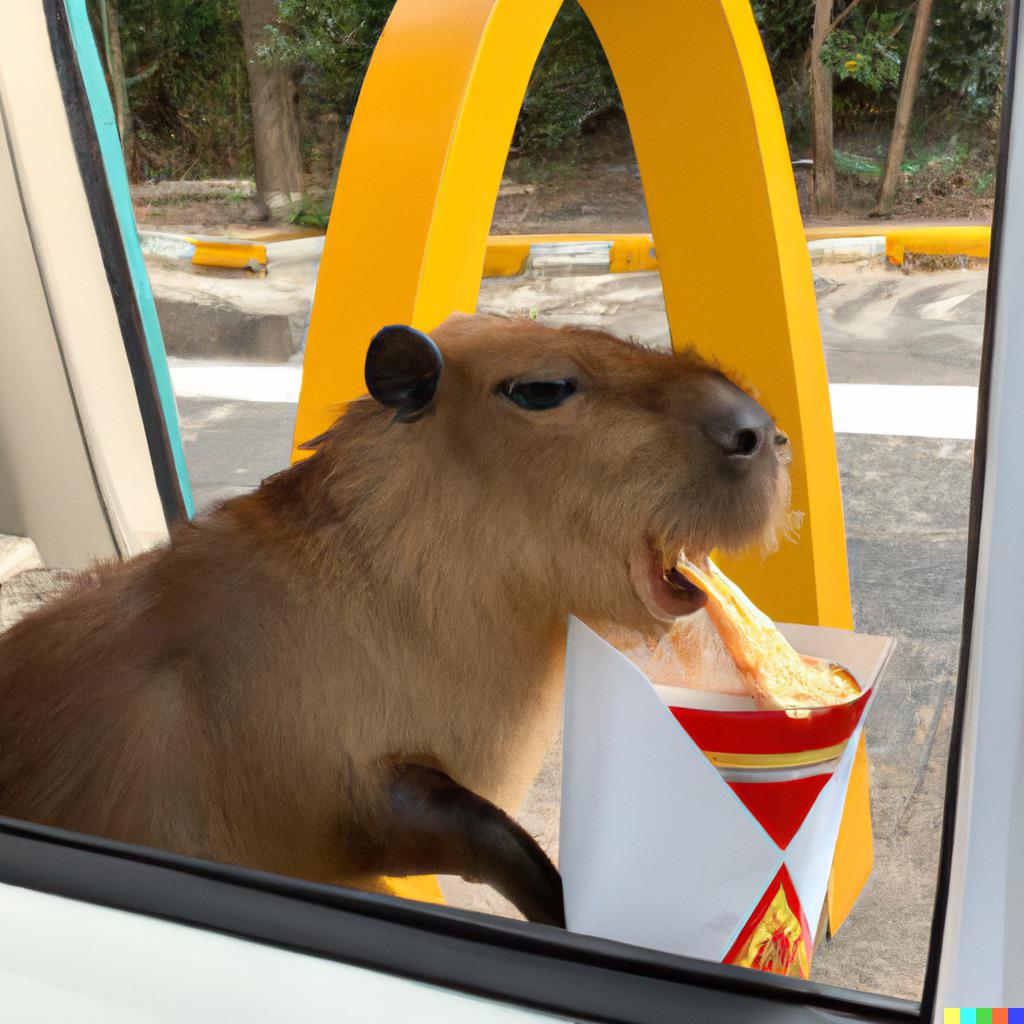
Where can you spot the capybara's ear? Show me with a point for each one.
(403, 369)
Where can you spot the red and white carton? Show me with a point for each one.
(693, 822)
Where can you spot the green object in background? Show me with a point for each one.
(117, 181)
(850, 163)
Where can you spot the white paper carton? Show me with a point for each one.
(695, 824)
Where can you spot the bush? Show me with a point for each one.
(570, 86)
(332, 41)
(187, 87)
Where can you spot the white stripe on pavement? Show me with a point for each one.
(899, 410)
(240, 383)
(904, 410)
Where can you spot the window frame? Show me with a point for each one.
(514, 962)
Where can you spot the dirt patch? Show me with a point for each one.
(929, 195)
(594, 185)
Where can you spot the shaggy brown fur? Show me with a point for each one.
(401, 596)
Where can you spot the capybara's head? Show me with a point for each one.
(586, 462)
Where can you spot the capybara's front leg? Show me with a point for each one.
(434, 825)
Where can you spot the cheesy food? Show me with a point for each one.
(777, 675)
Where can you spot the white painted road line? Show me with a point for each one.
(897, 410)
(904, 410)
(941, 310)
(239, 383)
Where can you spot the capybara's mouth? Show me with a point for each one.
(664, 591)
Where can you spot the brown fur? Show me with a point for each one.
(402, 594)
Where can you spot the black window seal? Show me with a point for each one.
(514, 962)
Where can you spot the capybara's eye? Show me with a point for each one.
(538, 394)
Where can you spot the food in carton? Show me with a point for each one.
(777, 676)
(734, 650)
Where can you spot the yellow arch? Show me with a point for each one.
(420, 174)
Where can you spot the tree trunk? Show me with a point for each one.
(275, 125)
(118, 86)
(904, 109)
(997, 108)
(823, 190)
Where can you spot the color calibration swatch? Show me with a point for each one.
(975, 1015)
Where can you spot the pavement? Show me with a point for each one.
(252, 317)
(906, 483)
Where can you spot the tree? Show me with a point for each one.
(275, 125)
(823, 191)
(111, 32)
(333, 40)
(904, 109)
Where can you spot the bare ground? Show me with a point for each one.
(594, 185)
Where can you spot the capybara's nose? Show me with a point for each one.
(736, 423)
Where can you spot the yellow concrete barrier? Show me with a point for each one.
(211, 252)
(423, 888)
(938, 241)
(926, 239)
(506, 255)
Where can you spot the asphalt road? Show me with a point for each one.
(906, 503)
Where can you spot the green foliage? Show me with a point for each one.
(869, 57)
(983, 183)
(963, 65)
(959, 92)
(314, 213)
(331, 42)
(571, 84)
(187, 86)
(944, 158)
(785, 27)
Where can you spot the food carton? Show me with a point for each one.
(693, 822)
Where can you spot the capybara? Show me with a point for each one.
(354, 670)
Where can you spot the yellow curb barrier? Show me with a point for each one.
(228, 253)
(925, 239)
(506, 255)
(938, 241)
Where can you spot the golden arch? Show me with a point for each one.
(419, 178)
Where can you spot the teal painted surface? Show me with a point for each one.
(117, 179)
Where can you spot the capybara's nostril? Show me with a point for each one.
(745, 442)
(736, 423)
